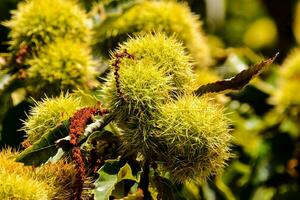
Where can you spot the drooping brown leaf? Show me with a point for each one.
(237, 82)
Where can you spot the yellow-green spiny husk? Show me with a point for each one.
(50, 181)
(63, 65)
(36, 23)
(171, 18)
(167, 53)
(144, 86)
(195, 135)
(289, 79)
(18, 182)
(159, 70)
(203, 77)
(48, 114)
(286, 97)
(14, 186)
(61, 176)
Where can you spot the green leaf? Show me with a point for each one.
(104, 185)
(45, 147)
(125, 173)
(237, 82)
(57, 157)
(108, 179)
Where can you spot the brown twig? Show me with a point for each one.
(116, 65)
(144, 181)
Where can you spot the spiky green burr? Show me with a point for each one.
(195, 135)
(48, 114)
(172, 18)
(158, 71)
(289, 80)
(36, 23)
(63, 65)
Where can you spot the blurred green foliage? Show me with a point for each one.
(265, 121)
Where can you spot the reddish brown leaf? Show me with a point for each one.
(237, 82)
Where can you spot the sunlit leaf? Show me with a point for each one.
(109, 177)
(104, 185)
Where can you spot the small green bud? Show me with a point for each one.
(60, 66)
(195, 135)
(49, 113)
(36, 23)
(171, 18)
